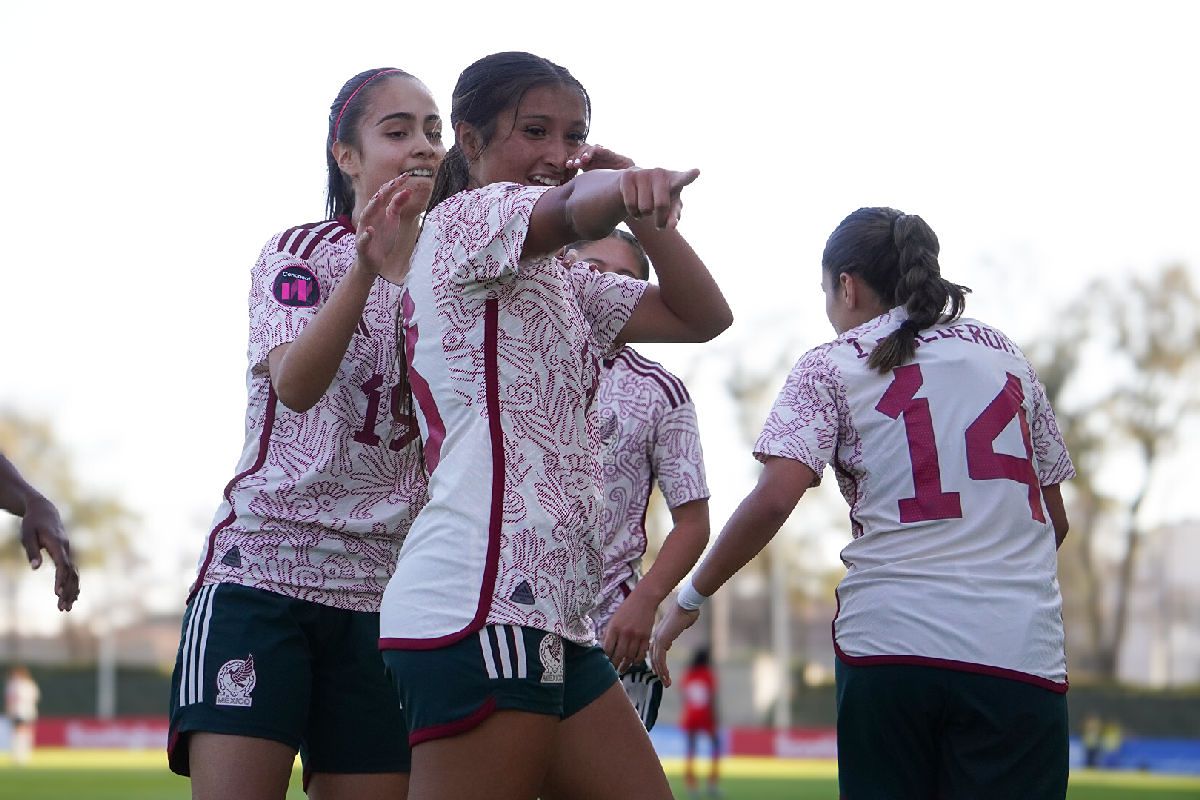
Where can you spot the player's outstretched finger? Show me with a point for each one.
(685, 178)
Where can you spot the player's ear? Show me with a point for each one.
(346, 157)
(468, 139)
(847, 293)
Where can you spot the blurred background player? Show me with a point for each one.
(485, 623)
(951, 669)
(21, 696)
(41, 529)
(699, 686)
(647, 431)
(279, 650)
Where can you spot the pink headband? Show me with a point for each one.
(338, 124)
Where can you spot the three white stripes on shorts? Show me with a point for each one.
(195, 642)
(510, 644)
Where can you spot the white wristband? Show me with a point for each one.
(689, 599)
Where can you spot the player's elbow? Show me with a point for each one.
(714, 324)
(295, 397)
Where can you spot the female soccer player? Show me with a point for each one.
(280, 640)
(951, 671)
(647, 430)
(485, 622)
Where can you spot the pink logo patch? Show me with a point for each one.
(295, 286)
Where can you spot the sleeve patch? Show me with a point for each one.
(296, 287)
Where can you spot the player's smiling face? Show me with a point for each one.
(532, 141)
(400, 132)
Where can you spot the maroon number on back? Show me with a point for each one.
(983, 462)
(900, 399)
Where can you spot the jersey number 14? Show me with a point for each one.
(983, 462)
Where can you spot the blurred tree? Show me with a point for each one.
(1121, 367)
(99, 525)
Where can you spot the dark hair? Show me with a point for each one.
(344, 116)
(897, 255)
(628, 238)
(488, 87)
(700, 657)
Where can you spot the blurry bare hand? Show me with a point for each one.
(628, 635)
(42, 529)
(675, 622)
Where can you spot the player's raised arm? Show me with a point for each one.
(303, 369)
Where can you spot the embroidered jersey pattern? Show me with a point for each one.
(647, 432)
(321, 500)
(503, 358)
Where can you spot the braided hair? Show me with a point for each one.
(896, 254)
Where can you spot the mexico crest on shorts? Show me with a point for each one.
(235, 682)
(550, 653)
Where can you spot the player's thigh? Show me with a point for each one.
(603, 752)
(242, 671)
(503, 758)
(245, 767)
(356, 727)
(1004, 738)
(888, 717)
(481, 712)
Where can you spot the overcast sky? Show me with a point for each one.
(150, 150)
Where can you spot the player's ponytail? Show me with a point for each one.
(452, 176)
(491, 86)
(345, 114)
(897, 255)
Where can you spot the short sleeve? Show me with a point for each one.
(803, 424)
(285, 294)
(1049, 450)
(606, 299)
(677, 458)
(481, 233)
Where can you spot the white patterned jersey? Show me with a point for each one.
(503, 358)
(647, 431)
(321, 500)
(942, 461)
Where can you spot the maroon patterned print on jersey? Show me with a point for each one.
(321, 500)
(646, 431)
(509, 535)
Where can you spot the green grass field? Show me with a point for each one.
(139, 775)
